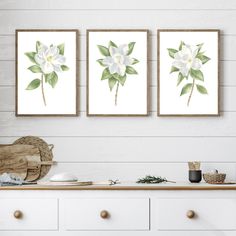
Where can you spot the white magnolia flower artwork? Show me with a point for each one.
(47, 61)
(118, 64)
(49, 58)
(118, 59)
(117, 72)
(46, 72)
(188, 60)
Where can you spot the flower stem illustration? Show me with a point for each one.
(47, 61)
(44, 100)
(188, 60)
(117, 88)
(191, 92)
(118, 64)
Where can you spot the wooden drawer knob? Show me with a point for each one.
(190, 214)
(104, 214)
(18, 214)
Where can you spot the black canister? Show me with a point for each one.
(195, 176)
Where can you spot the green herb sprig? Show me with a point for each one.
(149, 179)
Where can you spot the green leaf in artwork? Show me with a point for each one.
(61, 48)
(35, 69)
(130, 70)
(173, 69)
(100, 61)
(199, 47)
(38, 44)
(47, 77)
(131, 47)
(201, 89)
(65, 68)
(203, 58)
(116, 76)
(112, 44)
(121, 79)
(33, 84)
(172, 52)
(197, 74)
(112, 83)
(104, 50)
(31, 56)
(181, 45)
(135, 61)
(186, 89)
(106, 74)
(52, 79)
(180, 78)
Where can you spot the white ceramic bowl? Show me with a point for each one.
(64, 177)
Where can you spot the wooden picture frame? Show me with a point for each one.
(46, 59)
(202, 49)
(114, 39)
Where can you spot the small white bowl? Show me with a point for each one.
(64, 177)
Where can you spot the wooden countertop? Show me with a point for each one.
(127, 186)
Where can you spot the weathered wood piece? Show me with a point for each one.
(20, 160)
(44, 148)
(14, 165)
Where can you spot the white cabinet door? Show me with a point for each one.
(122, 214)
(206, 214)
(33, 214)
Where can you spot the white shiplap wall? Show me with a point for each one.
(125, 148)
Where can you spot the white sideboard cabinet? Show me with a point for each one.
(135, 210)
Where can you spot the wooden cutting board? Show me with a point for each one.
(75, 183)
(20, 160)
(14, 165)
(33, 171)
(45, 151)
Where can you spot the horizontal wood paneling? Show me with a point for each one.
(84, 19)
(7, 99)
(228, 98)
(117, 4)
(7, 46)
(140, 149)
(125, 148)
(7, 73)
(118, 126)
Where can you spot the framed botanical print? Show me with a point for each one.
(46, 72)
(188, 72)
(117, 72)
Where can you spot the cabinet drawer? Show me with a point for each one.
(107, 214)
(196, 214)
(28, 214)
